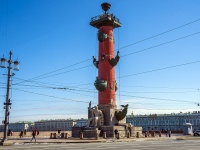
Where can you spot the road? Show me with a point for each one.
(137, 145)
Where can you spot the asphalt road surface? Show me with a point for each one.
(138, 145)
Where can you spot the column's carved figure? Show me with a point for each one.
(97, 118)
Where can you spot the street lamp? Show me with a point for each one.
(3, 63)
(7, 104)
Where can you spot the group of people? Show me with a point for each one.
(168, 133)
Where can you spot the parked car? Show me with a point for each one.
(197, 133)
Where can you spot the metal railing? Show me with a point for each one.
(109, 16)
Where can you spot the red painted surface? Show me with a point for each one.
(105, 70)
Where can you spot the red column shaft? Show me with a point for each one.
(105, 70)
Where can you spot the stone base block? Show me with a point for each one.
(134, 130)
(6, 143)
(88, 132)
(123, 130)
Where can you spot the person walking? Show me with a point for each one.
(116, 134)
(166, 133)
(21, 134)
(169, 133)
(38, 132)
(25, 132)
(33, 136)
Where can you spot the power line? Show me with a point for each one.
(63, 72)
(69, 107)
(159, 87)
(161, 99)
(45, 108)
(154, 70)
(159, 34)
(91, 90)
(147, 72)
(44, 83)
(164, 68)
(161, 44)
(142, 73)
(31, 80)
(118, 49)
(50, 96)
(126, 54)
(161, 92)
(49, 114)
(181, 109)
(55, 70)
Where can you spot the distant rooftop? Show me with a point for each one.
(55, 120)
(172, 114)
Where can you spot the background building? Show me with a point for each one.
(1, 128)
(161, 122)
(81, 122)
(54, 125)
(18, 126)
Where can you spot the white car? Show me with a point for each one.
(197, 133)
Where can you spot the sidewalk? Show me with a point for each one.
(40, 139)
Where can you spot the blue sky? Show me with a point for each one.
(158, 70)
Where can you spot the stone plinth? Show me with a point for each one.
(123, 129)
(88, 132)
(134, 130)
(6, 143)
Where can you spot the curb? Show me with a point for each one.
(46, 141)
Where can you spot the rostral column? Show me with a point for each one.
(105, 82)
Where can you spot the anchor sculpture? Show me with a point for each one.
(120, 115)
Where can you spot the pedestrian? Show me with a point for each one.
(166, 133)
(33, 136)
(101, 133)
(35, 130)
(38, 132)
(9, 132)
(25, 132)
(21, 134)
(59, 131)
(169, 133)
(116, 133)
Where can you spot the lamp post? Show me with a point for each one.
(7, 104)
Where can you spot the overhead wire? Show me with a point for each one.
(124, 55)
(124, 47)
(50, 96)
(164, 68)
(71, 107)
(159, 87)
(42, 76)
(137, 52)
(161, 99)
(146, 72)
(64, 72)
(54, 71)
(180, 38)
(167, 31)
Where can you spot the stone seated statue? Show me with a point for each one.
(97, 118)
